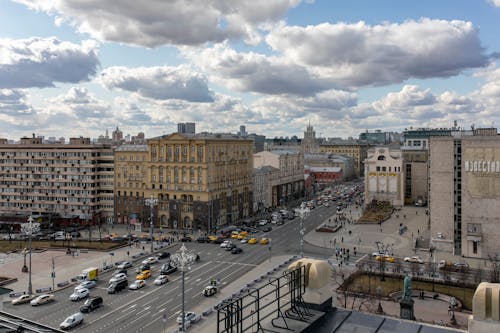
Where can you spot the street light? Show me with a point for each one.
(302, 214)
(29, 229)
(183, 260)
(151, 203)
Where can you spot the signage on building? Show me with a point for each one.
(482, 166)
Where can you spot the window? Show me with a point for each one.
(378, 168)
(384, 168)
(474, 247)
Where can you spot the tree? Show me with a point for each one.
(495, 267)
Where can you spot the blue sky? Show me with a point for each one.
(71, 68)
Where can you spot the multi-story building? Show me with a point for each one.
(290, 182)
(378, 137)
(464, 194)
(384, 176)
(309, 144)
(345, 163)
(264, 176)
(354, 149)
(186, 128)
(74, 179)
(200, 181)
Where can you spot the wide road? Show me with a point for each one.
(143, 310)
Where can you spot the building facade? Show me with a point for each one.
(464, 187)
(264, 176)
(356, 150)
(74, 179)
(199, 181)
(290, 182)
(384, 176)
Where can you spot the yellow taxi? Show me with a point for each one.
(242, 235)
(143, 275)
(252, 241)
(390, 259)
(234, 234)
(212, 238)
(264, 241)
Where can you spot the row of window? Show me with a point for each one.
(389, 169)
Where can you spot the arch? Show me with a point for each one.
(187, 222)
(164, 220)
(381, 158)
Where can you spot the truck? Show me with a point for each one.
(88, 274)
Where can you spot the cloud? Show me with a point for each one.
(495, 3)
(41, 62)
(14, 103)
(256, 72)
(80, 104)
(160, 83)
(355, 55)
(176, 22)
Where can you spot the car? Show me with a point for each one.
(91, 304)
(267, 229)
(87, 284)
(209, 291)
(414, 259)
(225, 243)
(118, 277)
(137, 284)
(264, 241)
(149, 261)
(236, 250)
(163, 255)
(252, 240)
(79, 293)
(218, 240)
(22, 299)
(123, 270)
(378, 253)
(262, 222)
(42, 299)
(212, 237)
(160, 280)
(72, 321)
(168, 269)
(229, 247)
(390, 259)
(242, 235)
(117, 286)
(234, 235)
(379, 258)
(186, 239)
(440, 235)
(143, 275)
(203, 239)
(244, 240)
(124, 265)
(188, 317)
(142, 268)
(461, 266)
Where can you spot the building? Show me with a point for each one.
(309, 144)
(323, 176)
(200, 181)
(290, 182)
(264, 176)
(384, 176)
(354, 149)
(117, 136)
(464, 196)
(378, 137)
(345, 163)
(187, 128)
(74, 179)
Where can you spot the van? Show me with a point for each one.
(117, 286)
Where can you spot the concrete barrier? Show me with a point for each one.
(207, 312)
(43, 290)
(62, 284)
(17, 294)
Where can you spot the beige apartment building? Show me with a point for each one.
(74, 179)
(356, 150)
(288, 183)
(197, 181)
(464, 182)
(384, 176)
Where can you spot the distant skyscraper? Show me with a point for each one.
(186, 128)
(117, 135)
(309, 143)
(243, 131)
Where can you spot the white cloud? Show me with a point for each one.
(154, 23)
(80, 104)
(14, 103)
(354, 55)
(161, 82)
(495, 3)
(41, 62)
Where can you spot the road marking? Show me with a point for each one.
(235, 263)
(198, 280)
(138, 318)
(185, 291)
(130, 307)
(145, 309)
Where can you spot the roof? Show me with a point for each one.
(325, 169)
(132, 148)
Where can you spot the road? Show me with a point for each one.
(143, 310)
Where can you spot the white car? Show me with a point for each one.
(440, 235)
(72, 321)
(79, 293)
(124, 265)
(162, 279)
(149, 261)
(118, 277)
(22, 299)
(42, 299)
(87, 284)
(378, 253)
(244, 240)
(188, 317)
(225, 243)
(262, 222)
(415, 259)
(137, 284)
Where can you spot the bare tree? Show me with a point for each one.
(495, 267)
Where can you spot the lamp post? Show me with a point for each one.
(302, 214)
(151, 203)
(183, 260)
(29, 229)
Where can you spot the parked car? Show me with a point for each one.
(209, 291)
(167, 269)
(42, 299)
(160, 280)
(124, 265)
(118, 277)
(117, 286)
(236, 250)
(188, 317)
(149, 261)
(163, 255)
(137, 284)
(143, 275)
(72, 321)
(91, 304)
(79, 293)
(23, 299)
(87, 284)
(186, 239)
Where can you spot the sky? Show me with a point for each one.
(80, 67)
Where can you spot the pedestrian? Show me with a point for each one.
(342, 239)
(128, 254)
(418, 231)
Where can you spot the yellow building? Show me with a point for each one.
(200, 181)
(358, 151)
